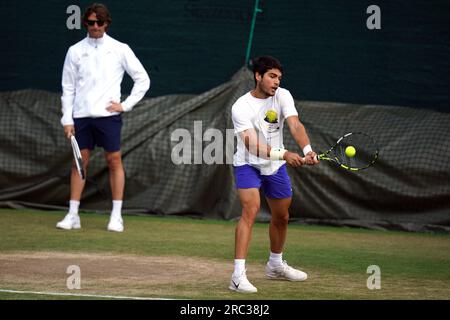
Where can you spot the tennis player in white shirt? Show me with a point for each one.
(260, 163)
(92, 73)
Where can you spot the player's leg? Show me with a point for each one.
(83, 134)
(116, 174)
(108, 135)
(247, 184)
(279, 209)
(278, 192)
(250, 203)
(76, 183)
(117, 183)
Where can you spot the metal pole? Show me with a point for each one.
(252, 28)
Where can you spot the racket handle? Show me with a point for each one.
(317, 157)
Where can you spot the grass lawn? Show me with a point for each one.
(412, 265)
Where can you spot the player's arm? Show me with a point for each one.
(300, 136)
(262, 150)
(68, 96)
(140, 77)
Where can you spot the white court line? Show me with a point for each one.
(81, 295)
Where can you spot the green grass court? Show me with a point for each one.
(182, 258)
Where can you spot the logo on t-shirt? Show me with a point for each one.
(271, 116)
(270, 123)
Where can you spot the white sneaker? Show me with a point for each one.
(285, 272)
(115, 224)
(241, 284)
(70, 221)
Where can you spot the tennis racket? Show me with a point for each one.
(77, 157)
(353, 151)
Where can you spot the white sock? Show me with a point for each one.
(275, 259)
(73, 207)
(117, 208)
(239, 267)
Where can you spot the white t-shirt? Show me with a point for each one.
(250, 112)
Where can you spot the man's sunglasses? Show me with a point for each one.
(100, 23)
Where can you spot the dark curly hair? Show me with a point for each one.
(264, 63)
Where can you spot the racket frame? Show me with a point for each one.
(77, 157)
(326, 155)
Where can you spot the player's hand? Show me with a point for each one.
(69, 131)
(294, 159)
(311, 158)
(115, 107)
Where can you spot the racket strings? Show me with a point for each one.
(366, 151)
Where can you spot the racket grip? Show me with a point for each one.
(317, 157)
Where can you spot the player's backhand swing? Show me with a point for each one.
(260, 162)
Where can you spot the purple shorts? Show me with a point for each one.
(275, 186)
(102, 132)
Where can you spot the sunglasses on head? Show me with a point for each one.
(100, 23)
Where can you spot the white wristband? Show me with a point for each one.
(307, 149)
(277, 153)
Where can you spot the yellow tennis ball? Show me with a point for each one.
(272, 116)
(350, 151)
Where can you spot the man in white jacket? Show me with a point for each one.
(92, 74)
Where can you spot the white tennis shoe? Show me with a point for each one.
(241, 284)
(115, 224)
(285, 272)
(70, 221)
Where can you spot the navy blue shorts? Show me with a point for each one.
(275, 186)
(102, 132)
